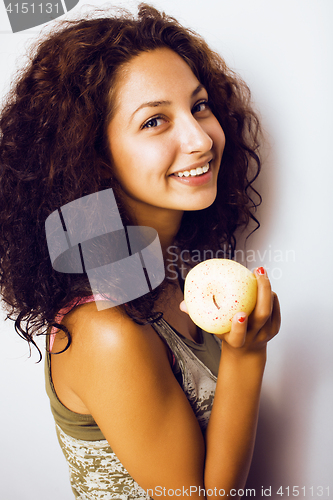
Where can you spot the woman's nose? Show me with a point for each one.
(193, 137)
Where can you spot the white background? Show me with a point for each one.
(283, 50)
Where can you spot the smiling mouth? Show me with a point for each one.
(194, 172)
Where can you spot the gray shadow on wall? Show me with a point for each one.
(269, 187)
(264, 475)
(267, 452)
(283, 443)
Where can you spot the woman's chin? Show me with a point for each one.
(199, 204)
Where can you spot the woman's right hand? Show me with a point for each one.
(252, 333)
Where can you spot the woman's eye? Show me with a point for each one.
(200, 106)
(153, 122)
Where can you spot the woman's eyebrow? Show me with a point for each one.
(151, 104)
(198, 89)
(155, 104)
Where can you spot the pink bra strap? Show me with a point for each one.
(65, 310)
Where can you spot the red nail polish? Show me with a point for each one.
(241, 319)
(261, 270)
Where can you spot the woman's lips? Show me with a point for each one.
(193, 172)
(196, 179)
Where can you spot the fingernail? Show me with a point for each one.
(261, 270)
(241, 319)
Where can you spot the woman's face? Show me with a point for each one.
(166, 145)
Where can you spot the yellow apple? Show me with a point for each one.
(215, 290)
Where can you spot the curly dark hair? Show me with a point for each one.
(53, 150)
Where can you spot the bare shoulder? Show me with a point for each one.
(111, 332)
(99, 337)
(106, 338)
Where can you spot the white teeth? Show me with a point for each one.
(194, 171)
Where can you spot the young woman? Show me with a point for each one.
(145, 403)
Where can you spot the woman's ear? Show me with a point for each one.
(183, 307)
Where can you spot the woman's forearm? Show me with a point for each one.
(231, 431)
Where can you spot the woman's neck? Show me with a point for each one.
(165, 221)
